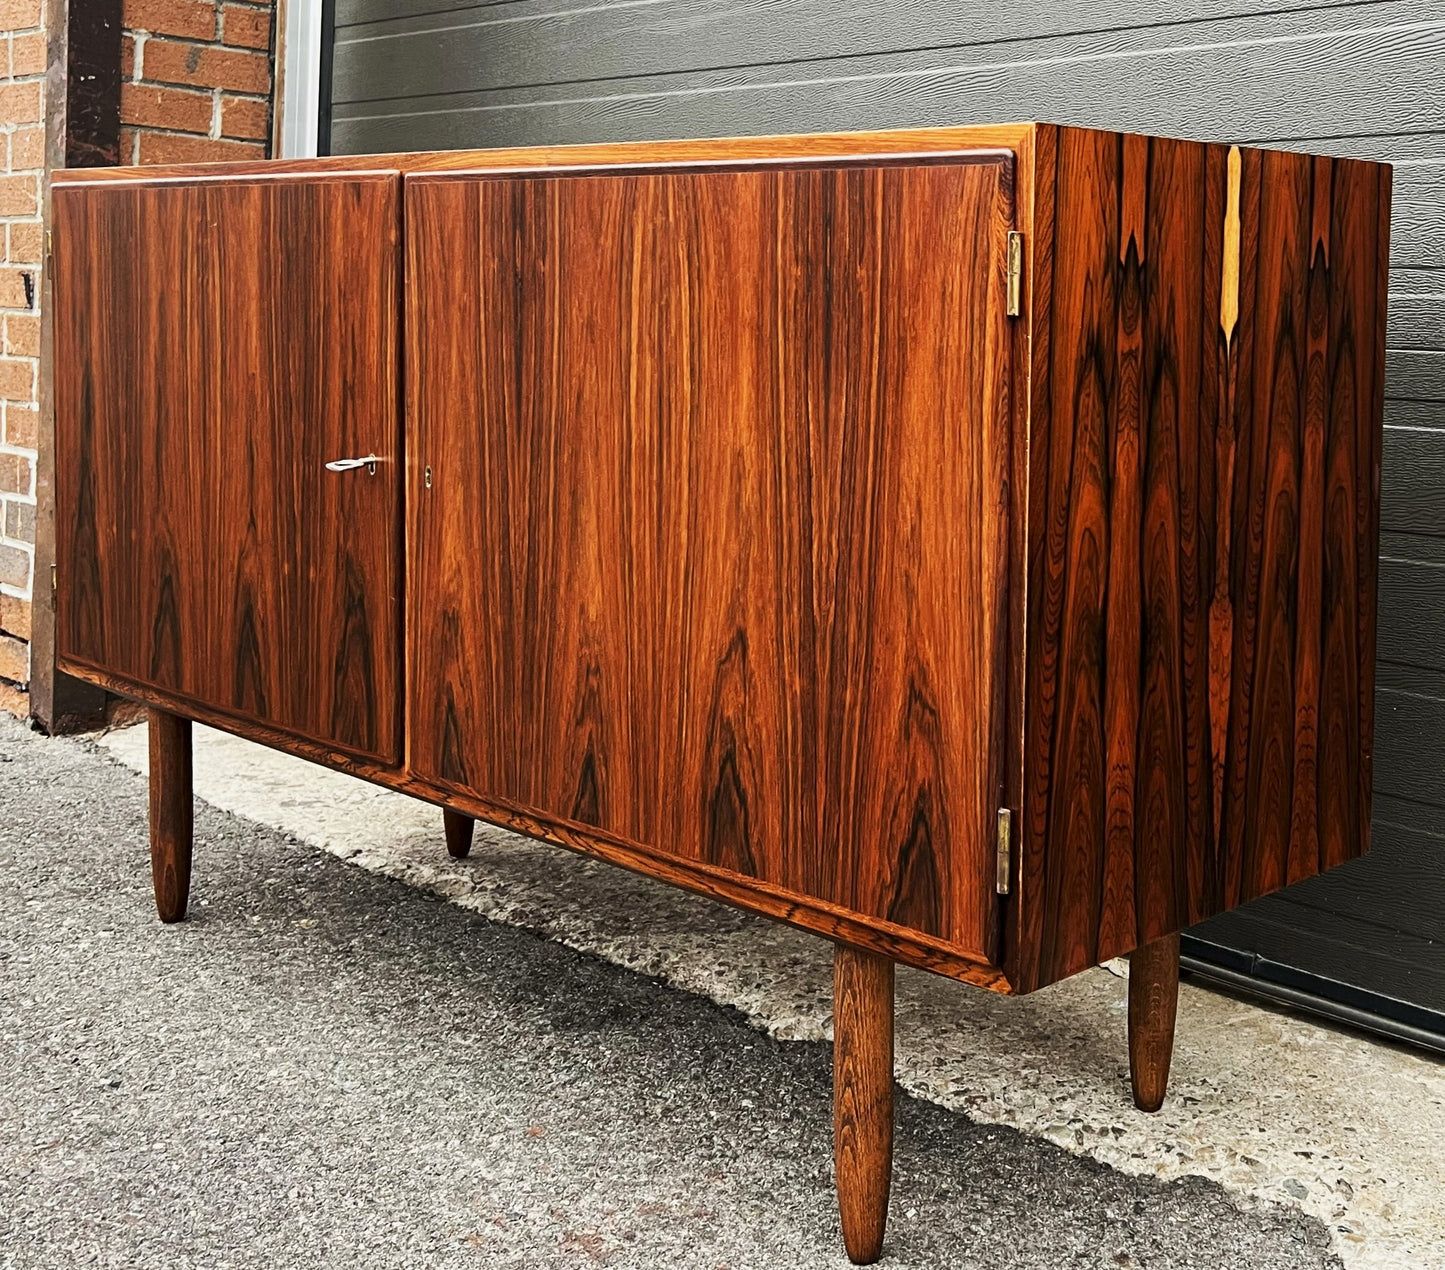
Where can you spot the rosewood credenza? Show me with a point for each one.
(958, 543)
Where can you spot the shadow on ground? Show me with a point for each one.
(324, 1067)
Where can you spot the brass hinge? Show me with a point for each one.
(1015, 272)
(1003, 859)
(54, 586)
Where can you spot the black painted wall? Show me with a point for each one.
(1363, 79)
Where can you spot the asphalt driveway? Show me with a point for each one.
(325, 1067)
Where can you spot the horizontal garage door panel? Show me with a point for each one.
(1416, 375)
(1405, 966)
(1330, 72)
(727, 45)
(1412, 493)
(1409, 744)
(1417, 237)
(674, 34)
(1416, 321)
(1412, 600)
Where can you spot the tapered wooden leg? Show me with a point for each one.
(459, 832)
(1153, 1000)
(862, 1097)
(170, 764)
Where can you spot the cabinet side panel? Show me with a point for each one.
(217, 344)
(714, 554)
(1203, 518)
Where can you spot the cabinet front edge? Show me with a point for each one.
(800, 911)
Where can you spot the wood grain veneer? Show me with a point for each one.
(815, 916)
(215, 345)
(726, 454)
(1017, 137)
(760, 552)
(1204, 467)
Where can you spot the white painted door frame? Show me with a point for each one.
(299, 91)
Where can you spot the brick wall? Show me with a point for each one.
(197, 81)
(197, 86)
(22, 60)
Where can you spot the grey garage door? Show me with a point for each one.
(1350, 79)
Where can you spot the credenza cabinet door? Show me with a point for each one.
(217, 343)
(707, 544)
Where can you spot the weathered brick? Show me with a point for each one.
(169, 147)
(25, 240)
(127, 56)
(194, 18)
(12, 288)
(20, 521)
(129, 138)
(175, 62)
(14, 660)
(14, 616)
(20, 103)
(14, 566)
(19, 195)
(165, 108)
(22, 425)
(15, 700)
(22, 335)
(21, 15)
(27, 54)
(248, 117)
(14, 474)
(17, 383)
(27, 149)
(246, 28)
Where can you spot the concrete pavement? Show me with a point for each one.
(326, 1066)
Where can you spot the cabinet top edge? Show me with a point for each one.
(870, 144)
(874, 145)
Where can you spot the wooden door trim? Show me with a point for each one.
(227, 720)
(725, 164)
(142, 178)
(82, 128)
